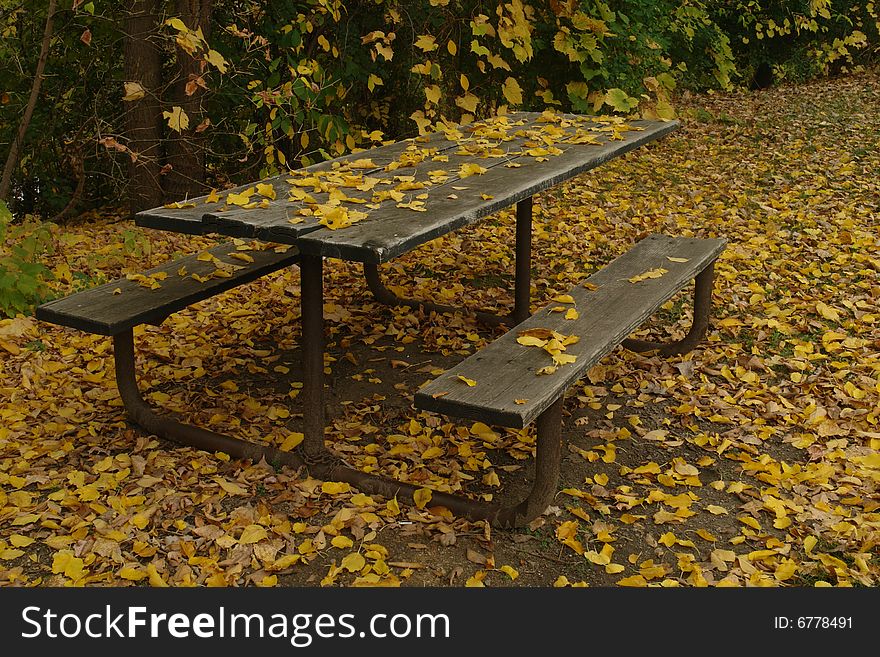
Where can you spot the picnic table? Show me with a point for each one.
(376, 205)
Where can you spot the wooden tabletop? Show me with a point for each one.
(375, 205)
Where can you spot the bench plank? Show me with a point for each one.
(105, 311)
(505, 371)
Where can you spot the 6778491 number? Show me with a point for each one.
(813, 622)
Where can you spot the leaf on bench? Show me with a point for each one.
(244, 198)
(266, 190)
(244, 257)
(552, 342)
(150, 282)
(470, 382)
(651, 273)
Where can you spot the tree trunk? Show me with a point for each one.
(185, 150)
(143, 65)
(18, 141)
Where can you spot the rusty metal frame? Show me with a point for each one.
(184, 434)
(323, 464)
(522, 283)
(702, 309)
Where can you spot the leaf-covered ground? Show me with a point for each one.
(752, 461)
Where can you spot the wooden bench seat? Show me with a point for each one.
(612, 303)
(117, 306)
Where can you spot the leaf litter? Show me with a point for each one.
(752, 461)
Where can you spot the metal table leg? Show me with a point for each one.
(522, 285)
(702, 309)
(313, 450)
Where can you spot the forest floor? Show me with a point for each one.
(752, 461)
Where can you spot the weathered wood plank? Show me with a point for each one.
(389, 230)
(236, 222)
(505, 371)
(104, 311)
(394, 231)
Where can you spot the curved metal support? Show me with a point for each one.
(522, 284)
(323, 464)
(185, 434)
(702, 309)
(547, 462)
(385, 296)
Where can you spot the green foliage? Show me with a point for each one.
(22, 277)
(801, 39)
(292, 83)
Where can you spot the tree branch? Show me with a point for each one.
(15, 147)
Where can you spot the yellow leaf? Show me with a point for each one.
(242, 199)
(671, 259)
(426, 43)
(512, 572)
(785, 570)
(63, 562)
(252, 534)
(216, 60)
(342, 542)
(707, 536)
(230, 487)
(471, 169)
(827, 312)
(749, 521)
(465, 83)
(140, 520)
(512, 91)
(292, 441)
(335, 487)
(363, 163)
(634, 580)
(476, 581)
(17, 540)
(268, 581)
(471, 383)
(451, 47)
(564, 298)
(432, 93)
(716, 510)
(651, 273)
(571, 313)
(468, 102)
(177, 119)
(266, 190)
(810, 543)
(353, 562)
(8, 554)
(132, 574)
(155, 578)
(614, 568)
(421, 497)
